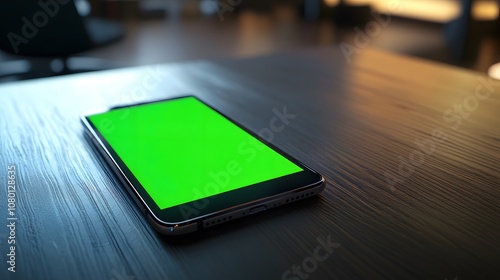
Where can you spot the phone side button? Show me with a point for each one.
(258, 209)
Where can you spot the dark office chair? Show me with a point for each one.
(53, 30)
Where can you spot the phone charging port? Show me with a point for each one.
(258, 209)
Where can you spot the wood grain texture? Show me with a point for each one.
(355, 123)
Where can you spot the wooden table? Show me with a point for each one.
(393, 209)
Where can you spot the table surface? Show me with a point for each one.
(409, 149)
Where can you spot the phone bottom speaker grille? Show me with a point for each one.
(268, 205)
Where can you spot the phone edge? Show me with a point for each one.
(195, 224)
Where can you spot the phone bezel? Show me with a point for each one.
(223, 202)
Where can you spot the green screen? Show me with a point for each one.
(181, 150)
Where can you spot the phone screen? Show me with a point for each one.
(181, 150)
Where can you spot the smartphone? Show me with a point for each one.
(189, 167)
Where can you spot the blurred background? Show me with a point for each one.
(55, 37)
